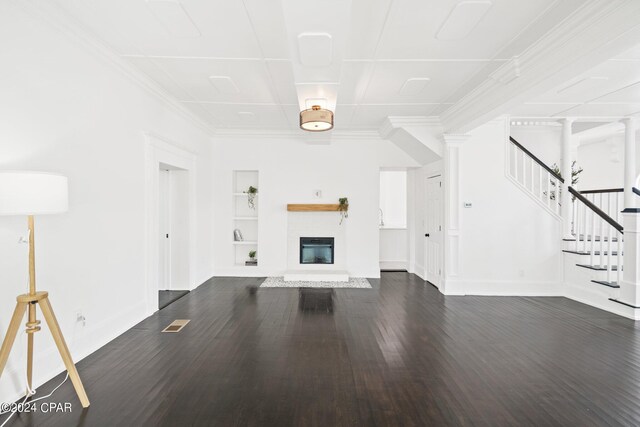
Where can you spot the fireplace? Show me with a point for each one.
(316, 250)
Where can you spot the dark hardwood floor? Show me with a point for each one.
(400, 354)
(169, 297)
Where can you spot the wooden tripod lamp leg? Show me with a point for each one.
(47, 312)
(12, 331)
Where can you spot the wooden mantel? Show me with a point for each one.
(313, 207)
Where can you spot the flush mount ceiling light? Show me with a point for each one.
(316, 119)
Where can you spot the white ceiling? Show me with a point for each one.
(608, 91)
(237, 64)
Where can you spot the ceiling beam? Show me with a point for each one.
(596, 31)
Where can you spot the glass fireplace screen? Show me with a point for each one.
(316, 250)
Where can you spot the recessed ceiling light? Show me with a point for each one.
(316, 119)
(315, 49)
(414, 86)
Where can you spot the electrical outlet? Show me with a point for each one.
(81, 319)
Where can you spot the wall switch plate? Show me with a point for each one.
(468, 204)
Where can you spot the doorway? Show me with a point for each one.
(173, 234)
(434, 241)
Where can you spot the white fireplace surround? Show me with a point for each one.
(316, 224)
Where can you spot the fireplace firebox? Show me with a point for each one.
(316, 250)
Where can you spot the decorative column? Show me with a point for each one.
(630, 286)
(452, 175)
(630, 127)
(565, 171)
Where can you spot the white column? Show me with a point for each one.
(452, 176)
(630, 127)
(630, 286)
(565, 171)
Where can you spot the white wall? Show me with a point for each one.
(66, 109)
(508, 243)
(290, 170)
(393, 197)
(544, 141)
(602, 162)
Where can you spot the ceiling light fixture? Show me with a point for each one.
(316, 119)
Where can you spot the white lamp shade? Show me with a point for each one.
(33, 193)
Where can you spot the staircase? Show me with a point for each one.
(593, 258)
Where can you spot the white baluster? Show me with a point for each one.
(619, 275)
(602, 226)
(540, 178)
(515, 162)
(609, 254)
(593, 234)
(532, 171)
(549, 201)
(557, 207)
(584, 228)
(524, 167)
(578, 224)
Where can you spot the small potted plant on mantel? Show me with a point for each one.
(343, 207)
(252, 258)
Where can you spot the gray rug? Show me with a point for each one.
(278, 282)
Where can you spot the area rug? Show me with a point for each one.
(278, 282)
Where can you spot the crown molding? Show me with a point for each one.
(299, 135)
(593, 33)
(455, 138)
(60, 20)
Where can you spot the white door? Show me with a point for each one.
(164, 198)
(433, 231)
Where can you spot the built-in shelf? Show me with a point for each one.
(244, 216)
(313, 207)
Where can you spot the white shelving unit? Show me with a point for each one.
(244, 218)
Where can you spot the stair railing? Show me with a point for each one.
(534, 176)
(595, 234)
(610, 201)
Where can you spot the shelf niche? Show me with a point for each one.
(244, 218)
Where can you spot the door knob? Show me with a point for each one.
(426, 235)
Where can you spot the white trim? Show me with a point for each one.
(503, 288)
(48, 361)
(161, 150)
(400, 264)
(296, 134)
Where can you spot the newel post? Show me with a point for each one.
(630, 286)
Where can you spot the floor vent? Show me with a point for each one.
(176, 325)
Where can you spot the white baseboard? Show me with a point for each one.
(502, 288)
(394, 265)
(598, 297)
(47, 362)
(419, 271)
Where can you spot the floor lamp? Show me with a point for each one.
(35, 193)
